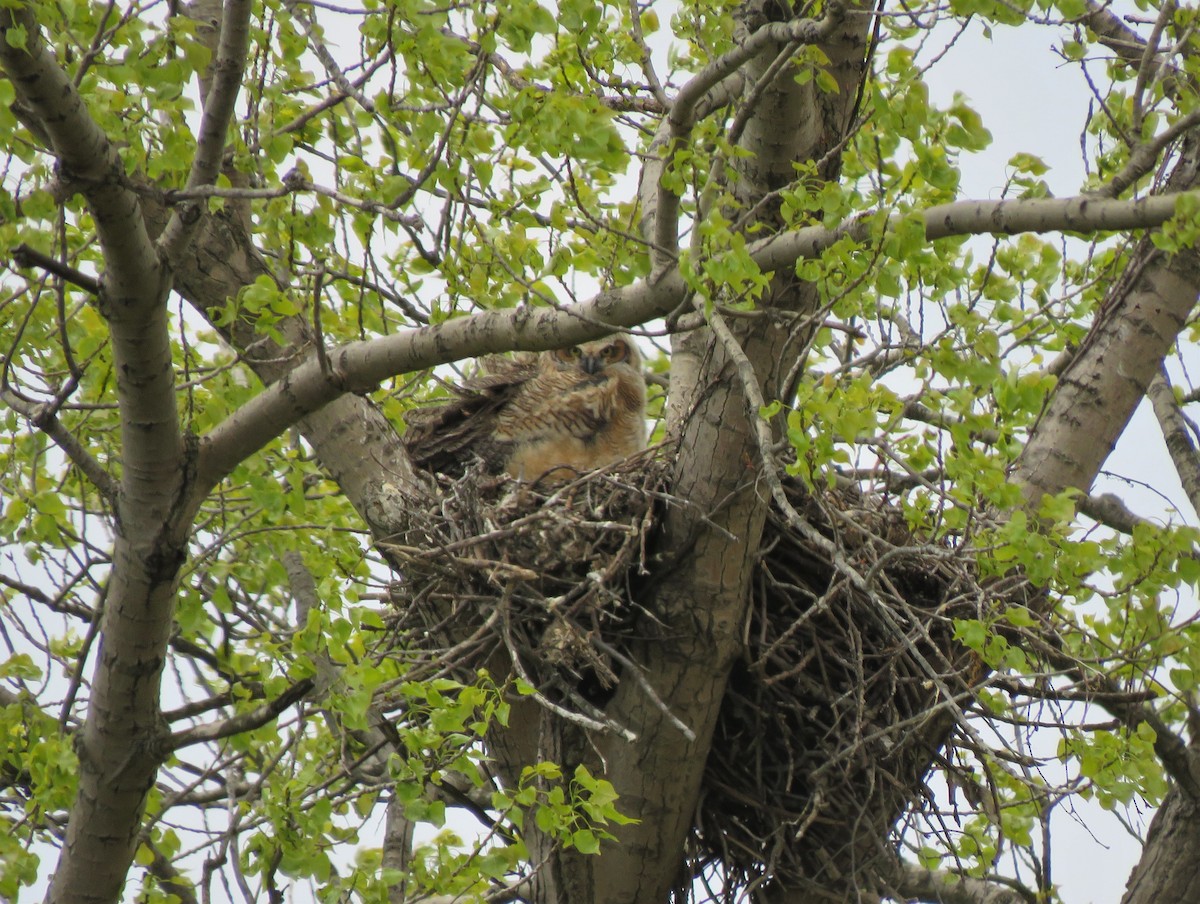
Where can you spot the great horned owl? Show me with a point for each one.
(563, 412)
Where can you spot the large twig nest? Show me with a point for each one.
(849, 649)
(543, 569)
(848, 646)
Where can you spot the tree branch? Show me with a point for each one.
(1099, 390)
(397, 845)
(767, 38)
(242, 722)
(294, 182)
(44, 418)
(1127, 43)
(226, 76)
(31, 258)
(1144, 156)
(120, 742)
(170, 880)
(1145, 65)
(1181, 761)
(360, 366)
(88, 159)
(660, 219)
(1177, 436)
(1081, 213)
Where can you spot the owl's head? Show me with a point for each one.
(597, 356)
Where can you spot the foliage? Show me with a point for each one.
(411, 163)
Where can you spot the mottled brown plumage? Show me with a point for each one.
(561, 413)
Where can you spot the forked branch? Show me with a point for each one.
(232, 51)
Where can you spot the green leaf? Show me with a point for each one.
(542, 20)
(971, 632)
(17, 36)
(22, 666)
(1019, 616)
(585, 841)
(826, 82)
(1028, 163)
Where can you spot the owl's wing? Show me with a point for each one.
(444, 437)
(556, 403)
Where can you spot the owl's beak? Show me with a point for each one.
(591, 364)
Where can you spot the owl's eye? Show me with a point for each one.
(615, 352)
(570, 354)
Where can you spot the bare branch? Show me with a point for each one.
(294, 182)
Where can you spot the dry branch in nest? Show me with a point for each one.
(849, 656)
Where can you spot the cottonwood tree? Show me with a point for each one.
(867, 577)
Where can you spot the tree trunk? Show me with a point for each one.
(1169, 869)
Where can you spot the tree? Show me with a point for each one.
(244, 235)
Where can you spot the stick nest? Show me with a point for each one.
(838, 704)
(848, 646)
(492, 566)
